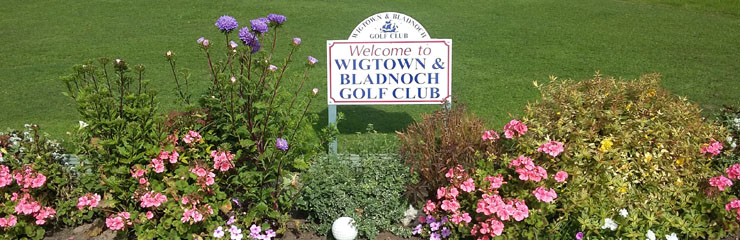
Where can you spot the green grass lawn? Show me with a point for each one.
(500, 47)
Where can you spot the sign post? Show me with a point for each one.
(389, 58)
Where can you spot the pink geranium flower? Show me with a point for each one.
(450, 205)
(114, 223)
(430, 207)
(158, 165)
(733, 172)
(191, 137)
(5, 177)
(561, 176)
(544, 195)
(490, 135)
(552, 148)
(514, 128)
(496, 181)
(468, 185)
(720, 182)
(713, 147)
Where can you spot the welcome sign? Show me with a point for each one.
(389, 59)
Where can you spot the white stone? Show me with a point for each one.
(344, 228)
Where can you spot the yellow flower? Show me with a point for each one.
(651, 92)
(622, 190)
(628, 107)
(679, 182)
(648, 157)
(606, 144)
(680, 161)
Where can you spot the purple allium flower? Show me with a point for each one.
(276, 18)
(206, 43)
(281, 144)
(249, 39)
(259, 25)
(579, 235)
(272, 68)
(226, 23)
(232, 44)
(434, 236)
(417, 230)
(446, 232)
(200, 40)
(312, 60)
(296, 42)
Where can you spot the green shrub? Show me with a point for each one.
(368, 189)
(438, 142)
(628, 145)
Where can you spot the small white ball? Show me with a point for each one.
(344, 228)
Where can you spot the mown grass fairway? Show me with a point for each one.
(500, 47)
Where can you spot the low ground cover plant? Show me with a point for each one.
(367, 188)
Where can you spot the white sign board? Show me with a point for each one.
(389, 72)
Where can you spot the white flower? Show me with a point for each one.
(733, 145)
(610, 224)
(650, 235)
(671, 237)
(623, 212)
(219, 232)
(83, 124)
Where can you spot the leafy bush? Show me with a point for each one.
(439, 141)
(369, 189)
(252, 114)
(631, 149)
(34, 184)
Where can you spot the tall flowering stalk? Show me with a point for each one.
(252, 114)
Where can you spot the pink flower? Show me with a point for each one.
(545, 196)
(137, 172)
(514, 129)
(453, 192)
(152, 199)
(5, 177)
(157, 165)
(450, 205)
(222, 161)
(89, 199)
(210, 180)
(441, 192)
(458, 218)
(430, 207)
(552, 147)
(468, 185)
(173, 157)
(450, 173)
(191, 137)
(713, 147)
(27, 206)
(720, 182)
(490, 135)
(561, 176)
(11, 220)
(114, 223)
(733, 172)
(43, 214)
(732, 205)
(497, 227)
(521, 212)
(496, 182)
(149, 215)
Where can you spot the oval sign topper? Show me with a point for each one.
(389, 26)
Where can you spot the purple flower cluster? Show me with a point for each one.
(281, 144)
(312, 60)
(254, 233)
(436, 231)
(227, 23)
(259, 25)
(276, 18)
(249, 39)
